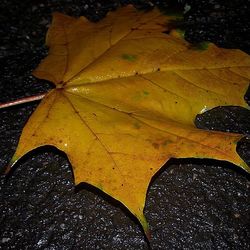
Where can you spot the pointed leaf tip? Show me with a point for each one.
(7, 169)
(9, 166)
(244, 166)
(145, 226)
(148, 234)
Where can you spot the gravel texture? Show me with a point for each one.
(191, 204)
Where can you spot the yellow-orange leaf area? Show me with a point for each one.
(126, 96)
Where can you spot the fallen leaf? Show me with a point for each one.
(127, 92)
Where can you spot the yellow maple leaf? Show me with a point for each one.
(126, 97)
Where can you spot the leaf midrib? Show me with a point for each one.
(136, 117)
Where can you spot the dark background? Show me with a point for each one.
(191, 204)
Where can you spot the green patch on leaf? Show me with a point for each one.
(140, 95)
(166, 142)
(200, 46)
(181, 32)
(129, 57)
(137, 125)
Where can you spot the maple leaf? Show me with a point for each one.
(127, 92)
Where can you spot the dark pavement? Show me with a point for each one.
(191, 204)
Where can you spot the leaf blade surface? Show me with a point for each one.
(125, 104)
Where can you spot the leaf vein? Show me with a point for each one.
(94, 134)
(105, 52)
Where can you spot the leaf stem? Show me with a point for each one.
(21, 101)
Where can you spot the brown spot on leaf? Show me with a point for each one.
(155, 145)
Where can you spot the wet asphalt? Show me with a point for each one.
(191, 204)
